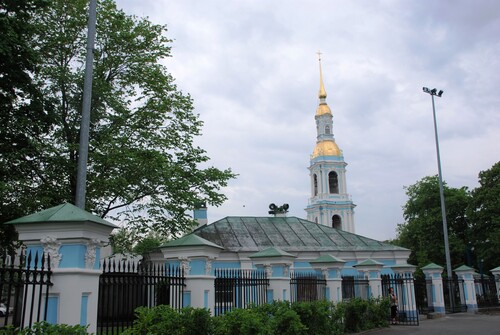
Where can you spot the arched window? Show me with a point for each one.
(327, 130)
(315, 181)
(336, 222)
(333, 182)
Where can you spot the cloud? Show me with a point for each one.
(252, 71)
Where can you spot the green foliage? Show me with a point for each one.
(423, 231)
(362, 314)
(484, 215)
(143, 167)
(163, 319)
(22, 113)
(320, 318)
(276, 318)
(243, 322)
(45, 328)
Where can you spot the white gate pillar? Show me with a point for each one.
(436, 300)
(330, 267)
(276, 263)
(371, 270)
(407, 300)
(468, 292)
(72, 238)
(496, 275)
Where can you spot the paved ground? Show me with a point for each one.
(452, 324)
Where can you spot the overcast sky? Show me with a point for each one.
(252, 70)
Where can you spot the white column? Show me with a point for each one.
(436, 299)
(469, 290)
(405, 272)
(496, 274)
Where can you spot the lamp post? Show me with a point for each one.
(433, 93)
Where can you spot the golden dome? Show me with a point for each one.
(323, 109)
(326, 148)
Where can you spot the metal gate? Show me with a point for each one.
(404, 288)
(237, 288)
(453, 291)
(124, 286)
(307, 287)
(24, 289)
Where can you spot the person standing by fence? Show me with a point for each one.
(394, 305)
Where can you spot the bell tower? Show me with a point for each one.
(329, 204)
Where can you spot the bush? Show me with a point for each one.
(365, 314)
(276, 318)
(163, 319)
(45, 328)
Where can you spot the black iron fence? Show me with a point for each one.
(422, 294)
(237, 288)
(124, 286)
(308, 286)
(354, 287)
(454, 298)
(24, 289)
(404, 288)
(486, 291)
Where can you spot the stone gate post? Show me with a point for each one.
(468, 291)
(433, 273)
(407, 290)
(496, 275)
(194, 255)
(372, 269)
(276, 263)
(73, 239)
(330, 266)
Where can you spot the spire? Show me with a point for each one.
(322, 92)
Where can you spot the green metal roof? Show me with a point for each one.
(367, 262)
(271, 252)
(432, 266)
(327, 259)
(247, 234)
(190, 240)
(464, 268)
(62, 213)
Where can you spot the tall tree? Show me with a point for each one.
(423, 230)
(484, 215)
(143, 168)
(22, 112)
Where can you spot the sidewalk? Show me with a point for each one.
(451, 324)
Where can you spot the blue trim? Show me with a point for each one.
(205, 298)
(439, 309)
(83, 310)
(197, 267)
(226, 265)
(200, 214)
(278, 271)
(52, 309)
(186, 299)
(270, 296)
(73, 256)
(97, 258)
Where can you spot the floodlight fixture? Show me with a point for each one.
(433, 93)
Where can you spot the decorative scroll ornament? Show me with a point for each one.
(51, 247)
(90, 255)
(324, 272)
(286, 270)
(208, 266)
(185, 265)
(269, 270)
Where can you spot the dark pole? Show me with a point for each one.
(83, 152)
(449, 273)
